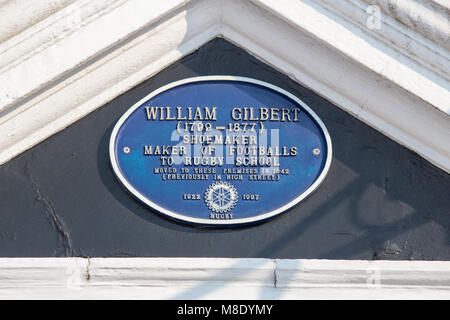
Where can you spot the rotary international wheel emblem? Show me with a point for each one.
(221, 197)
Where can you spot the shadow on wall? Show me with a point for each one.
(378, 195)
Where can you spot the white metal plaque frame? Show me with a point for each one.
(241, 221)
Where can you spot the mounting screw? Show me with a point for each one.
(126, 150)
(316, 151)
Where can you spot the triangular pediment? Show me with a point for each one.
(58, 64)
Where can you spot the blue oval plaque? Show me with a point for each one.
(220, 150)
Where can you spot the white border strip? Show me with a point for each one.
(221, 278)
(259, 218)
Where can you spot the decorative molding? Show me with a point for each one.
(415, 44)
(221, 278)
(95, 81)
(78, 58)
(67, 58)
(18, 15)
(428, 17)
(351, 68)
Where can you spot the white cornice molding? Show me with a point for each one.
(428, 17)
(76, 59)
(68, 39)
(221, 278)
(373, 79)
(18, 15)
